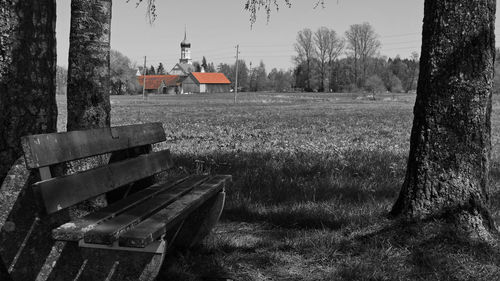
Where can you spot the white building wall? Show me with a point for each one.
(203, 88)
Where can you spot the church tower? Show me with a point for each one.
(185, 50)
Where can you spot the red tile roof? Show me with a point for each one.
(153, 82)
(211, 78)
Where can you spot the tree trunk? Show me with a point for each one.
(308, 76)
(89, 83)
(356, 81)
(27, 74)
(447, 171)
(363, 61)
(89, 61)
(322, 77)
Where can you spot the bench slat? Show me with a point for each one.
(154, 227)
(62, 192)
(108, 231)
(48, 149)
(74, 230)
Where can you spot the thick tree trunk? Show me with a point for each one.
(447, 172)
(88, 68)
(89, 83)
(27, 74)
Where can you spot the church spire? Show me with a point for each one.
(185, 49)
(185, 42)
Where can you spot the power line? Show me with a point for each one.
(402, 48)
(401, 35)
(402, 42)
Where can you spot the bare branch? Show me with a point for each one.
(253, 6)
(150, 10)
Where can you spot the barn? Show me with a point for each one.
(161, 84)
(206, 82)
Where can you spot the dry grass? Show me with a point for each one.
(314, 177)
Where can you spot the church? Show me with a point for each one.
(183, 79)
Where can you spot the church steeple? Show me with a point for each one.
(185, 49)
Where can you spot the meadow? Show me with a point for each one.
(314, 178)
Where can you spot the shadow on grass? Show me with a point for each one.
(293, 208)
(179, 267)
(388, 251)
(433, 250)
(306, 190)
(302, 216)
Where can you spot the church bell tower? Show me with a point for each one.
(185, 50)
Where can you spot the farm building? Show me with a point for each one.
(183, 79)
(161, 84)
(206, 82)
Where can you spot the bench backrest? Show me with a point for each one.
(46, 150)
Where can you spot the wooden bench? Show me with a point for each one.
(125, 240)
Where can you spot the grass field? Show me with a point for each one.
(314, 177)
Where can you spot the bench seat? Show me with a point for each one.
(145, 216)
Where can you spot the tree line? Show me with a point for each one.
(320, 67)
(386, 74)
(256, 78)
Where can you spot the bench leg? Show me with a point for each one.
(199, 224)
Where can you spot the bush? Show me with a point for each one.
(374, 84)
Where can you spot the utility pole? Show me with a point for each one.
(236, 82)
(144, 81)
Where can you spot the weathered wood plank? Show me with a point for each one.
(45, 173)
(156, 247)
(108, 231)
(48, 149)
(154, 227)
(62, 192)
(74, 230)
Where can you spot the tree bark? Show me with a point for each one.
(89, 65)
(27, 74)
(449, 161)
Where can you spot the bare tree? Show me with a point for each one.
(27, 74)
(363, 43)
(327, 49)
(305, 52)
(337, 45)
(322, 46)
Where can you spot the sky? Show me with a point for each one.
(215, 27)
